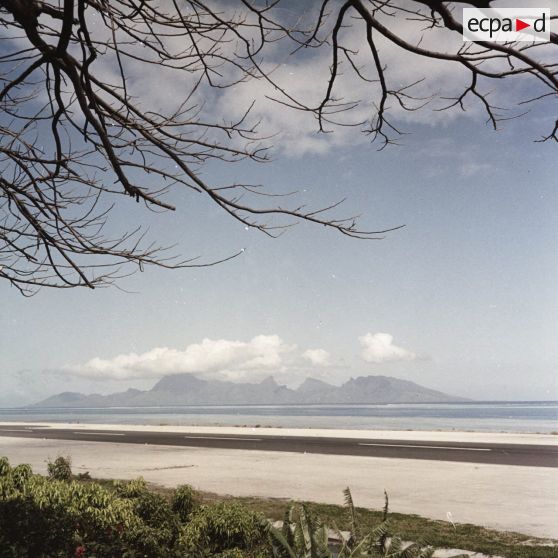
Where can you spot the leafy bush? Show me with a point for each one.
(223, 528)
(20, 475)
(43, 517)
(130, 489)
(4, 466)
(60, 469)
(234, 553)
(183, 502)
(161, 525)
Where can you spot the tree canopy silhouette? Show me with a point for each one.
(78, 134)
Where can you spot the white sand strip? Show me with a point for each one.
(523, 499)
(410, 435)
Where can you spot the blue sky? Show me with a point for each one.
(468, 285)
(463, 299)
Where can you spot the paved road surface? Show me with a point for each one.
(500, 454)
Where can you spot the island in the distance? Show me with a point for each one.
(187, 389)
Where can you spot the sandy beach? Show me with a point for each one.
(513, 498)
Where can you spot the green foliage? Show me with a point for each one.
(130, 489)
(304, 536)
(20, 475)
(222, 528)
(44, 517)
(183, 502)
(237, 553)
(4, 466)
(160, 524)
(234, 553)
(60, 469)
(57, 517)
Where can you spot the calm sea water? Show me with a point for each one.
(532, 416)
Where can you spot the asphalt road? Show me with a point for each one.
(500, 454)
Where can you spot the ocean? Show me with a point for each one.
(516, 416)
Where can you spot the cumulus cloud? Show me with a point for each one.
(379, 347)
(219, 358)
(318, 357)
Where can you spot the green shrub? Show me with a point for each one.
(221, 527)
(4, 466)
(130, 489)
(237, 553)
(60, 469)
(161, 525)
(20, 475)
(183, 502)
(42, 518)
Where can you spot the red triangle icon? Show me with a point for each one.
(519, 24)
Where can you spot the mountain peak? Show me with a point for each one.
(178, 382)
(269, 381)
(312, 384)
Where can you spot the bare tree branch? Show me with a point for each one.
(75, 138)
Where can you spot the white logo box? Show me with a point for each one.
(498, 25)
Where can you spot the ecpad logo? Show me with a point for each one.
(504, 25)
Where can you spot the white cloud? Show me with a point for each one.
(318, 357)
(379, 347)
(221, 358)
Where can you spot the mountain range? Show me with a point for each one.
(187, 389)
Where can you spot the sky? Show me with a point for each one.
(462, 299)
